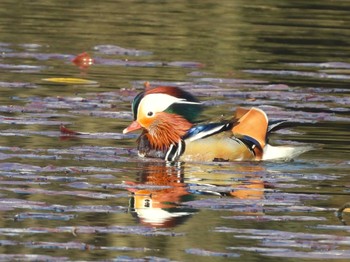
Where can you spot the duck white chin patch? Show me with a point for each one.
(159, 102)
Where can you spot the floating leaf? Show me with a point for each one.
(67, 131)
(83, 60)
(69, 80)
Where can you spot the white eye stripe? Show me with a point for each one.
(159, 102)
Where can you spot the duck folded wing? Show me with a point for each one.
(252, 125)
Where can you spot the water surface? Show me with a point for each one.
(88, 196)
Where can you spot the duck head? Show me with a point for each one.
(164, 114)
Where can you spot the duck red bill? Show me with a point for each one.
(132, 127)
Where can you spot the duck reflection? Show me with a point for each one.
(252, 189)
(251, 185)
(160, 189)
(158, 203)
(238, 180)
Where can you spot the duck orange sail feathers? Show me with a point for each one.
(167, 115)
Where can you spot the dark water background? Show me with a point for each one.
(65, 197)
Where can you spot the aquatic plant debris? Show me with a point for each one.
(71, 245)
(123, 230)
(317, 245)
(118, 50)
(276, 218)
(47, 216)
(31, 257)
(17, 85)
(201, 252)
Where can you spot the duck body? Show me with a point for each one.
(166, 116)
(223, 147)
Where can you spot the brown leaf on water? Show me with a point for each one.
(83, 60)
(147, 85)
(67, 131)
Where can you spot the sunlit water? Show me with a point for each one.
(88, 196)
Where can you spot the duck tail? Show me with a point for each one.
(253, 126)
(283, 153)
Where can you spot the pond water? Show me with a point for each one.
(88, 196)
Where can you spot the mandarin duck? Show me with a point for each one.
(167, 117)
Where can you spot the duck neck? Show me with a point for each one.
(167, 129)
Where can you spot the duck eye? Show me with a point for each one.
(150, 113)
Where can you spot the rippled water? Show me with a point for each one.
(71, 184)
